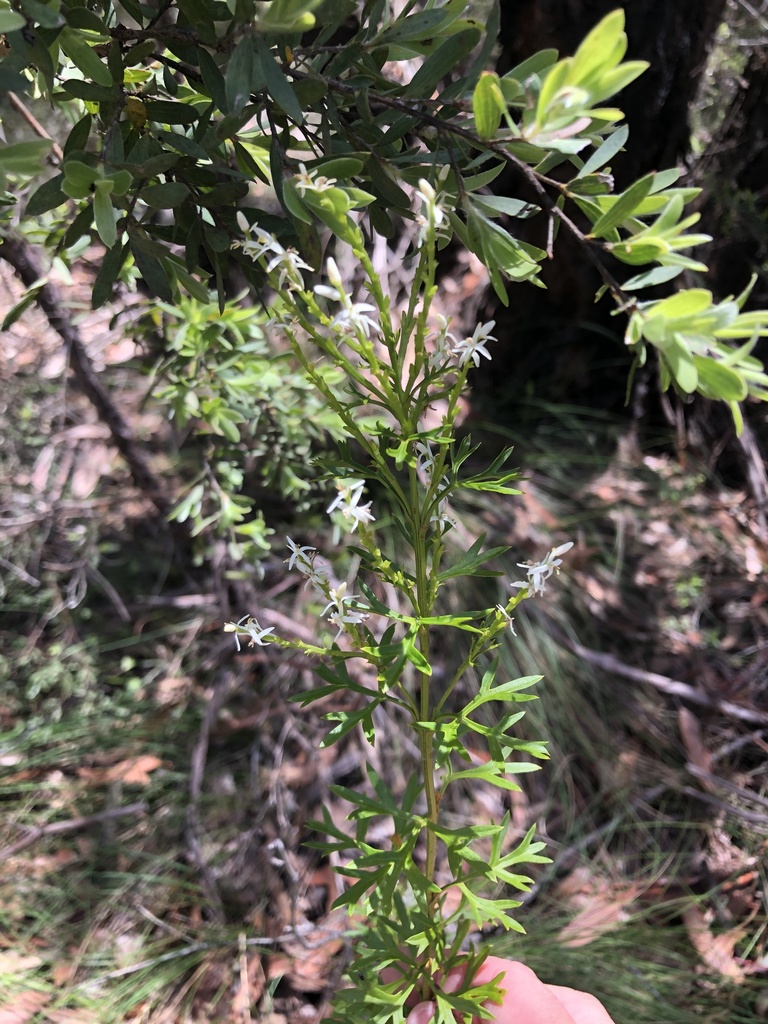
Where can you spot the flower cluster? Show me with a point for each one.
(425, 470)
(353, 318)
(249, 627)
(310, 181)
(539, 572)
(342, 609)
(474, 347)
(287, 262)
(345, 609)
(347, 504)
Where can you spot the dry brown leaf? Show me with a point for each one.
(22, 1007)
(62, 972)
(716, 951)
(72, 1017)
(593, 920)
(133, 771)
(12, 962)
(698, 755)
(93, 462)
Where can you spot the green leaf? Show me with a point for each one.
(415, 656)
(28, 299)
(84, 58)
(626, 204)
(104, 213)
(469, 563)
(606, 43)
(414, 27)
(487, 105)
(717, 381)
(241, 72)
(109, 270)
(79, 18)
(165, 196)
(494, 206)
(10, 21)
(24, 158)
(509, 691)
(152, 271)
(168, 112)
(47, 197)
(658, 275)
(679, 360)
(278, 86)
(442, 60)
(612, 145)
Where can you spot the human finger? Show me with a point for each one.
(583, 1007)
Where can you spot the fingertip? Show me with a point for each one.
(422, 1013)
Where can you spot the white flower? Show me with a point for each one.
(347, 610)
(434, 212)
(505, 615)
(301, 557)
(334, 274)
(305, 561)
(442, 353)
(291, 265)
(308, 181)
(354, 319)
(248, 627)
(539, 572)
(347, 503)
(474, 347)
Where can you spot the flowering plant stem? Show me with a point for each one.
(421, 891)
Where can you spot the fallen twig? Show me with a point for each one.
(196, 773)
(674, 687)
(22, 257)
(72, 825)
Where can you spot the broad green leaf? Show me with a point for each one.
(240, 75)
(612, 145)
(683, 304)
(79, 18)
(606, 44)
(678, 358)
(419, 26)
(104, 212)
(108, 273)
(152, 271)
(625, 206)
(718, 381)
(47, 197)
(278, 86)
(84, 57)
(16, 311)
(24, 158)
(168, 112)
(442, 60)
(659, 275)
(165, 196)
(10, 21)
(487, 105)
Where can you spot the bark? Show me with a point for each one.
(734, 175)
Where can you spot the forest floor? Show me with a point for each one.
(155, 782)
